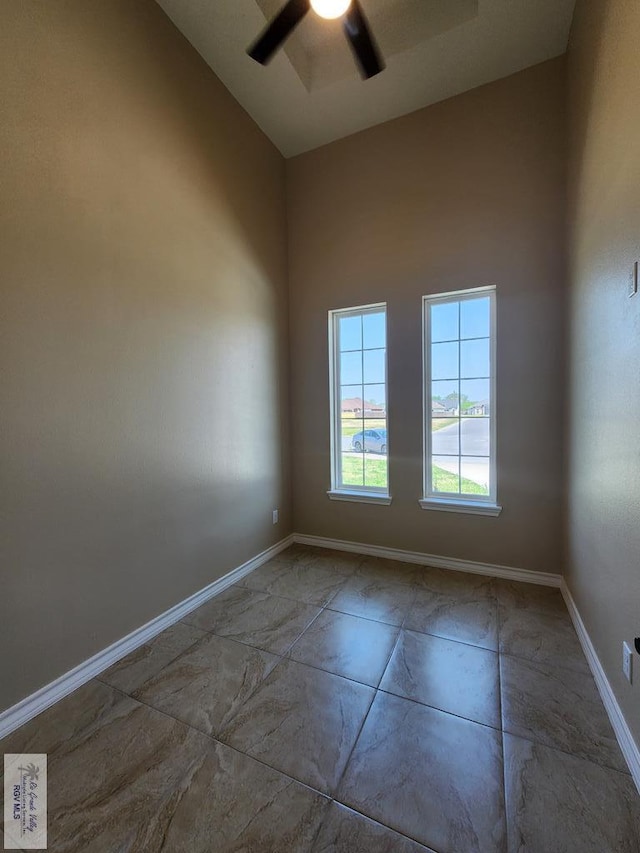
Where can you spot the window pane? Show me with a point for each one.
(444, 399)
(351, 368)
(353, 469)
(476, 396)
(475, 317)
(350, 432)
(351, 402)
(350, 333)
(374, 365)
(474, 358)
(475, 436)
(374, 397)
(444, 361)
(444, 321)
(444, 474)
(375, 471)
(374, 330)
(375, 436)
(475, 475)
(445, 436)
(356, 440)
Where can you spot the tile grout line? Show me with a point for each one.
(502, 737)
(386, 826)
(377, 691)
(378, 622)
(415, 585)
(452, 640)
(285, 656)
(561, 666)
(366, 716)
(439, 710)
(205, 634)
(565, 752)
(217, 740)
(503, 723)
(330, 798)
(345, 579)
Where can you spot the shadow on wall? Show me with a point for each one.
(144, 263)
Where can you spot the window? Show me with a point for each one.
(460, 399)
(358, 380)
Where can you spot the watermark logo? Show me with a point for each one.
(25, 802)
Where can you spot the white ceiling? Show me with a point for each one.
(311, 93)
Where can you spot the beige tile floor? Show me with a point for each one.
(331, 703)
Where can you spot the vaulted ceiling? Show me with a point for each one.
(311, 93)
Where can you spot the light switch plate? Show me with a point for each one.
(633, 279)
(627, 659)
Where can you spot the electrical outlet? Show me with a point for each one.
(633, 279)
(627, 662)
(276, 516)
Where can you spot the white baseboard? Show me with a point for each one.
(456, 565)
(48, 695)
(622, 731)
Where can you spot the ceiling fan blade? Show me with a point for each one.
(362, 42)
(276, 32)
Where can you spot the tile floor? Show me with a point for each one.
(332, 703)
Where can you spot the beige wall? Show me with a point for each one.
(143, 330)
(603, 527)
(465, 193)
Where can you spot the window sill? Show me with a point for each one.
(470, 507)
(360, 497)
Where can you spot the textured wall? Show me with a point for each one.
(143, 331)
(465, 193)
(603, 533)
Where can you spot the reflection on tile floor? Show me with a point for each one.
(332, 703)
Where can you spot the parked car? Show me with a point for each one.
(370, 440)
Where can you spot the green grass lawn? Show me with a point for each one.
(350, 426)
(445, 481)
(440, 423)
(375, 474)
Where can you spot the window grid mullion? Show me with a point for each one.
(459, 400)
(364, 438)
(337, 448)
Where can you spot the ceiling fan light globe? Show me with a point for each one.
(330, 8)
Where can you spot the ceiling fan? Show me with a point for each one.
(354, 24)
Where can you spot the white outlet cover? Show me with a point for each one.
(627, 661)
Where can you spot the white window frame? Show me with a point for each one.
(338, 492)
(449, 502)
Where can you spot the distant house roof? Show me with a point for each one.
(351, 404)
(437, 406)
(356, 404)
